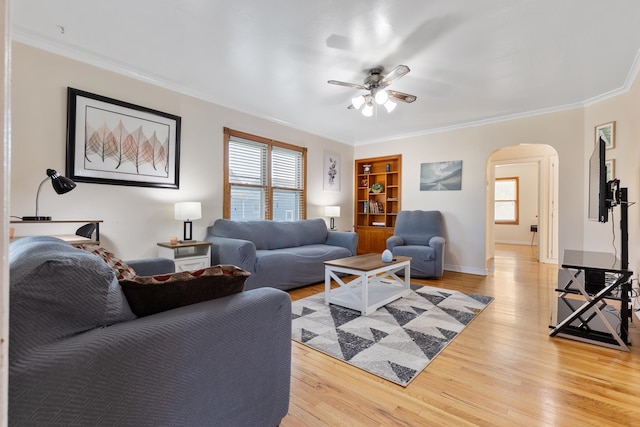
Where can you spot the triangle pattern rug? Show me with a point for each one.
(397, 341)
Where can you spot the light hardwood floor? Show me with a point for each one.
(503, 369)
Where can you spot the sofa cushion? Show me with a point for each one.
(417, 253)
(121, 268)
(273, 234)
(57, 291)
(153, 294)
(252, 231)
(293, 234)
(418, 227)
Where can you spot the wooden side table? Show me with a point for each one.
(187, 255)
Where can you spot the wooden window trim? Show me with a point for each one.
(270, 143)
(516, 201)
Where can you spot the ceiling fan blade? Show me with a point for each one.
(404, 97)
(353, 85)
(394, 75)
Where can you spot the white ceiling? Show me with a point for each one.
(471, 61)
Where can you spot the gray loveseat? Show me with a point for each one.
(78, 355)
(282, 255)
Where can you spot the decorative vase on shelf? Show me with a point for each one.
(376, 188)
(387, 256)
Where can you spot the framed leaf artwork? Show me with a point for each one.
(115, 142)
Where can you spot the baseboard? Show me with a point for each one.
(466, 270)
(517, 242)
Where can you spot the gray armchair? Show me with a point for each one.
(419, 235)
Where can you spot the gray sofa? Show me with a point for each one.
(78, 355)
(284, 255)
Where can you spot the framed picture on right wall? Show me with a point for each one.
(610, 166)
(608, 132)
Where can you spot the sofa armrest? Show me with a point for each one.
(394, 241)
(346, 239)
(221, 362)
(238, 252)
(152, 266)
(438, 243)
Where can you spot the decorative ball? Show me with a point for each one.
(387, 256)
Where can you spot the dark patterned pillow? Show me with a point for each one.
(123, 271)
(153, 294)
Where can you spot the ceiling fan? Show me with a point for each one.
(375, 83)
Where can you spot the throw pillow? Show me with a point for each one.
(123, 271)
(153, 294)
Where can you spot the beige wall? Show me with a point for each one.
(136, 218)
(570, 133)
(464, 211)
(624, 110)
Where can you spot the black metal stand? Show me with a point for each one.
(624, 227)
(585, 274)
(577, 266)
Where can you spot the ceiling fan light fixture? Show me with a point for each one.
(357, 101)
(381, 97)
(367, 111)
(376, 92)
(390, 105)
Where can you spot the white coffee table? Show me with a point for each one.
(376, 285)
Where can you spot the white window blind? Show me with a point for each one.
(287, 179)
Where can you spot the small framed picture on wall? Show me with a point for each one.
(610, 166)
(331, 172)
(608, 132)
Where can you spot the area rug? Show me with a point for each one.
(397, 341)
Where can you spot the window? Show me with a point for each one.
(264, 179)
(506, 201)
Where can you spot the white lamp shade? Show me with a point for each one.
(381, 97)
(188, 210)
(367, 111)
(357, 101)
(332, 211)
(390, 105)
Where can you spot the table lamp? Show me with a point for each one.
(332, 212)
(61, 184)
(186, 211)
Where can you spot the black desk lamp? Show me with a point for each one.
(61, 184)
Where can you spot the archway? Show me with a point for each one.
(546, 159)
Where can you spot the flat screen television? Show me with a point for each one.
(599, 193)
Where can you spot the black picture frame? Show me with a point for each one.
(119, 143)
